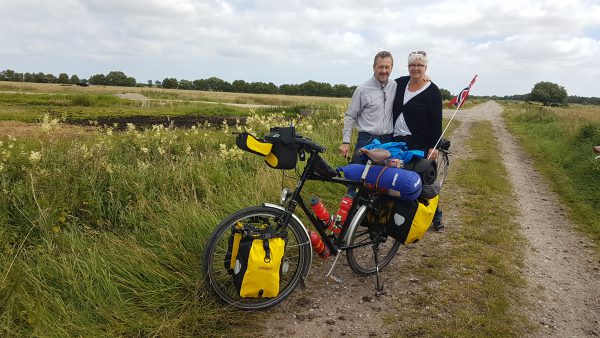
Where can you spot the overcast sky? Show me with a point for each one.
(511, 44)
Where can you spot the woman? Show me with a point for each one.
(417, 113)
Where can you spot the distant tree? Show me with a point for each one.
(170, 83)
(149, 83)
(239, 86)
(98, 80)
(218, 85)
(341, 90)
(157, 83)
(63, 78)
(185, 84)
(51, 78)
(117, 78)
(29, 77)
(548, 93)
(446, 94)
(288, 89)
(74, 79)
(9, 75)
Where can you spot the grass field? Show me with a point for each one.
(560, 139)
(102, 229)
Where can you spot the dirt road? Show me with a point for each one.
(561, 267)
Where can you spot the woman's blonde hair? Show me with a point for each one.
(420, 56)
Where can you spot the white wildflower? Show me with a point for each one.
(35, 156)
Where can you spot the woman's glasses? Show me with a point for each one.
(416, 66)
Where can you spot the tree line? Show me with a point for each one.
(547, 93)
(118, 78)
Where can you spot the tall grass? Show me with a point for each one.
(102, 235)
(560, 140)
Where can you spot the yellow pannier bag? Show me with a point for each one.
(422, 220)
(408, 221)
(233, 247)
(257, 268)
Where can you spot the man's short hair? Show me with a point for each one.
(381, 55)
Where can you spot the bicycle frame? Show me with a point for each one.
(362, 197)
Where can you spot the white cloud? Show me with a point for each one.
(511, 44)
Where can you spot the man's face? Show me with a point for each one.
(382, 69)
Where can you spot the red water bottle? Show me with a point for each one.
(342, 212)
(317, 243)
(320, 211)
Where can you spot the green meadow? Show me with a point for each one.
(102, 226)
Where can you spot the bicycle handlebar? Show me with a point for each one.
(310, 144)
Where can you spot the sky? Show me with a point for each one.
(510, 44)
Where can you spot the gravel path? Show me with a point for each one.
(561, 267)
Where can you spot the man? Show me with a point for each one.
(371, 107)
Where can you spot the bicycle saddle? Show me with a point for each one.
(596, 149)
(377, 155)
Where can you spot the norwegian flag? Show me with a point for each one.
(460, 99)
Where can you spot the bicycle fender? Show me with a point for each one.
(354, 223)
(276, 206)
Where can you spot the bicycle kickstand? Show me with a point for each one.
(379, 287)
(329, 274)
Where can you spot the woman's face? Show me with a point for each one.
(417, 69)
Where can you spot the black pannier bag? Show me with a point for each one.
(406, 221)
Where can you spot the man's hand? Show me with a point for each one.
(345, 150)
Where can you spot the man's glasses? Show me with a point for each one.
(420, 52)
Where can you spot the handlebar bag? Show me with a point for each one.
(410, 219)
(284, 154)
(251, 144)
(257, 268)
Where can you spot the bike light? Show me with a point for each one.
(286, 193)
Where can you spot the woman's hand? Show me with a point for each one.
(432, 154)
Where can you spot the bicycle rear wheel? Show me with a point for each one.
(295, 263)
(367, 230)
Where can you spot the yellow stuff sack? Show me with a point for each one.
(257, 267)
(409, 220)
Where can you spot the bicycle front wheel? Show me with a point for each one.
(367, 232)
(295, 263)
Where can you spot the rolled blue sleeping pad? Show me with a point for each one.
(401, 183)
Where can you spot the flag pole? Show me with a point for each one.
(460, 101)
(443, 132)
